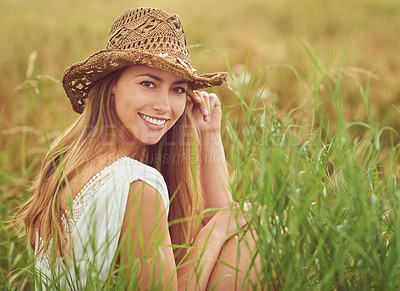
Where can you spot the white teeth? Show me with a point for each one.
(153, 120)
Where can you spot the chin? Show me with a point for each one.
(149, 138)
(151, 141)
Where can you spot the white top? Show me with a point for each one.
(95, 223)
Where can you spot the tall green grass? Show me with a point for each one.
(331, 214)
(329, 203)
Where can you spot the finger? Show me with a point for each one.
(198, 99)
(194, 96)
(206, 109)
(201, 100)
(206, 98)
(213, 104)
(215, 99)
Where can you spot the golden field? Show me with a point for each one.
(356, 39)
(320, 150)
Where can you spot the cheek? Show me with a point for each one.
(123, 111)
(119, 108)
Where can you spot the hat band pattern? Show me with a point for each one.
(153, 31)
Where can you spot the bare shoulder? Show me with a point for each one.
(145, 220)
(145, 200)
(145, 240)
(145, 214)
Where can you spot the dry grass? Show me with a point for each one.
(306, 48)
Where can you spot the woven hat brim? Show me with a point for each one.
(81, 77)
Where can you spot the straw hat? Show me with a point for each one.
(142, 36)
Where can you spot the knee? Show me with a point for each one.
(238, 265)
(246, 241)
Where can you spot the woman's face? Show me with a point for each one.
(149, 101)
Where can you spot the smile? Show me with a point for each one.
(153, 120)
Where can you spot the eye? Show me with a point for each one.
(179, 90)
(147, 84)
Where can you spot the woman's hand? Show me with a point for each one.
(206, 109)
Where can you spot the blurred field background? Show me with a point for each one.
(39, 39)
(362, 33)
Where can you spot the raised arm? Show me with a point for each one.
(213, 170)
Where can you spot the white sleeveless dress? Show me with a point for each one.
(94, 225)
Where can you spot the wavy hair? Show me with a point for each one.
(175, 156)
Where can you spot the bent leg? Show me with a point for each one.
(238, 266)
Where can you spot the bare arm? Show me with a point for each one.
(146, 251)
(197, 267)
(213, 170)
(145, 245)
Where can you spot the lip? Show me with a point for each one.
(151, 125)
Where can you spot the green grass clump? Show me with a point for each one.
(330, 212)
(328, 201)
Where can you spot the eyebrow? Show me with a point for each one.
(183, 81)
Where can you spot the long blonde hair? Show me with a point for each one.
(175, 156)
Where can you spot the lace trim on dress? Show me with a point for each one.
(81, 200)
(79, 203)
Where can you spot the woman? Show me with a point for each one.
(99, 201)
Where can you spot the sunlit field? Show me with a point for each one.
(311, 124)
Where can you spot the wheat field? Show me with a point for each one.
(313, 83)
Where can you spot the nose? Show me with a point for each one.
(162, 103)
